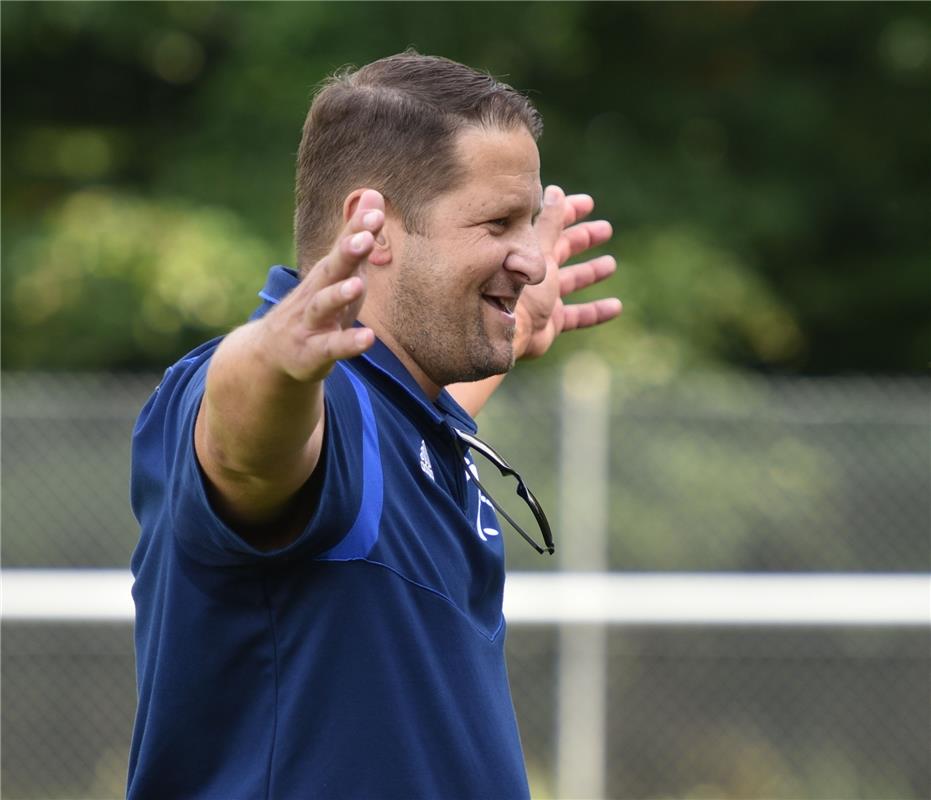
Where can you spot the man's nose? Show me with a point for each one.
(526, 258)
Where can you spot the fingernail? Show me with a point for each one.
(370, 218)
(362, 337)
(552, 195)
(357, 242)
(347, 288)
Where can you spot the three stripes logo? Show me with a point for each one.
(425, 464)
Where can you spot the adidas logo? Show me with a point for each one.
(425, 464)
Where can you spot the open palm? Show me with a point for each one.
(541, 313)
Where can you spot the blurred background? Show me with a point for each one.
(766, 399)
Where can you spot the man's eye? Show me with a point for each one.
(499, 223)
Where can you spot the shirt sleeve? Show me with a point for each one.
(170, 489)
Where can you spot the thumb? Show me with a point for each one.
(552, 218)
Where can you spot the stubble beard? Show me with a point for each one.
(450, 344)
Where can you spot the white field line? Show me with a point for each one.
(86, 595)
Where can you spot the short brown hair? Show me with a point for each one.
(391, 126)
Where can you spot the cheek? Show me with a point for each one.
(481, 255)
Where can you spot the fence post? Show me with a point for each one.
(582, 544)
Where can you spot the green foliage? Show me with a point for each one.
(108, 280)
(765, 165)
(690, 302)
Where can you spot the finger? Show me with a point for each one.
(585, 315)
(340, 263)
(329, 302)
(578, 207)
(369, 200)
(582, 237)
(579, 276)
(342, 344)
(354, 243)
(552, 218)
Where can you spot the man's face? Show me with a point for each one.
(452, 308)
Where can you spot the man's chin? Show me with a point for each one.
(503, 360)
(498, 363)
(503, 365)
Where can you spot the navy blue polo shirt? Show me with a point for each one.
(363, 660)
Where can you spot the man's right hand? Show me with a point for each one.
(312, 328)
(259, 432)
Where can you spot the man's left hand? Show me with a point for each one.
(541, 313)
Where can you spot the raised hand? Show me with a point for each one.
(259, 429)
(541, 313)
(312, 327)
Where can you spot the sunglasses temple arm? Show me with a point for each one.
(507, 516)
(479, 445)
(540, 516)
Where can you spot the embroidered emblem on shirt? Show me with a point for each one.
(425, 464)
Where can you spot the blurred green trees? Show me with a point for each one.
(766, 167)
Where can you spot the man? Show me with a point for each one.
(319, 580)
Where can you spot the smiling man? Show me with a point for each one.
(450, 309)
(319, 577)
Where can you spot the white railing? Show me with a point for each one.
(564, 598)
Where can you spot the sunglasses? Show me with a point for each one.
(478, 446)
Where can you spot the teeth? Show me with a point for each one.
(502, 303)
(506, 304)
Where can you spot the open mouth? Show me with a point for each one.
(503, 304)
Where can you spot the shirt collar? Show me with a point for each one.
(279, 282)
(379, 360)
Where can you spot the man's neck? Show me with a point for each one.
(430, 389)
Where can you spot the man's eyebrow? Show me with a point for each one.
(517, 208)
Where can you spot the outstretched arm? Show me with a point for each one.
(259, 431)
(542, 314)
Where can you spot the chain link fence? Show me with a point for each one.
(707, 473)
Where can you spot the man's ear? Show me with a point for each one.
(381, 253)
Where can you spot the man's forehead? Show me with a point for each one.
(504, 162)
(499, 147)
